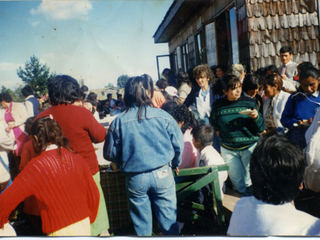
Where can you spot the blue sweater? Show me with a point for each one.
(299, 106)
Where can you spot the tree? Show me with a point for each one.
(122, 80)
(36, 75)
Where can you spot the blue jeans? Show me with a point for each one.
(157, 186)
(239, 167)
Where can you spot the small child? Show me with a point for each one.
(202, 140)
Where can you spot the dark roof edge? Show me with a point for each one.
(167, 19)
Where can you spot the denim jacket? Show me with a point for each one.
(140, 146)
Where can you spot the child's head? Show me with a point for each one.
(28, 124)
(202, 136)
(251, 84)
(46, 131)
(184, 117)
(277, 168)
(118, 103)
(309, 80)
(162, 84)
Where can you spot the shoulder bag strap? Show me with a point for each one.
(4, 164)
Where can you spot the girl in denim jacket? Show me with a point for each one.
(147, 144)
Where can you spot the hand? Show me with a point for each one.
(303, 123)
(254, 114)
(177, 171)
(284, 77)
(8, 129)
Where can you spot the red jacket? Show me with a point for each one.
(80, 128)
(65, 190)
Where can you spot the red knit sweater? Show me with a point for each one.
(65, 189)
(80, 128)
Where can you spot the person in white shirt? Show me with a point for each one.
(288, 70)
(277, 170)
(202, 140)
(31, 102)
(7, 144)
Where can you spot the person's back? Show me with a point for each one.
(80, 127)
(147, 142)
(59, 179)
(277, 169)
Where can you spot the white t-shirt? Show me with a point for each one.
(210, 156)
(252, 217)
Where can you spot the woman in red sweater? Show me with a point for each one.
(81, 129)
(61, 181)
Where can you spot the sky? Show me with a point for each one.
(96, 41)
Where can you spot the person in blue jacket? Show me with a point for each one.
(147, 144)
(301, 106)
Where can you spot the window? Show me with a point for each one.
(178, 59)
(184, 53)
(211, 44)
(234, 35)
(199, 48)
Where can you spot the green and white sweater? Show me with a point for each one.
(237, 131)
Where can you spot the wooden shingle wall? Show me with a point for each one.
(267, 25)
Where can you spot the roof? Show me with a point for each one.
(179, 12)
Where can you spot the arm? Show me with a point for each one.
(96, 131)
(287, 118)
(6, 142)
(177, 142)
(258, 121)
(11, 197)
(29, 108)
(19, 114)
(214, 121)
(112, 149)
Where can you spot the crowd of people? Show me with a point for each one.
(258, 123)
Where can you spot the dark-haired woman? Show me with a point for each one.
(275, 101)
(81, 129)
(186, 122)
(287, 85)
(237, 132)
(61, 181)
(147, 144)
(15, 115)
(184, 86)
(300, 107)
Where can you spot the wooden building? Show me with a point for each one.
(250, 32)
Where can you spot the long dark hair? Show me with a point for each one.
(136, 94)
(46, 131)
